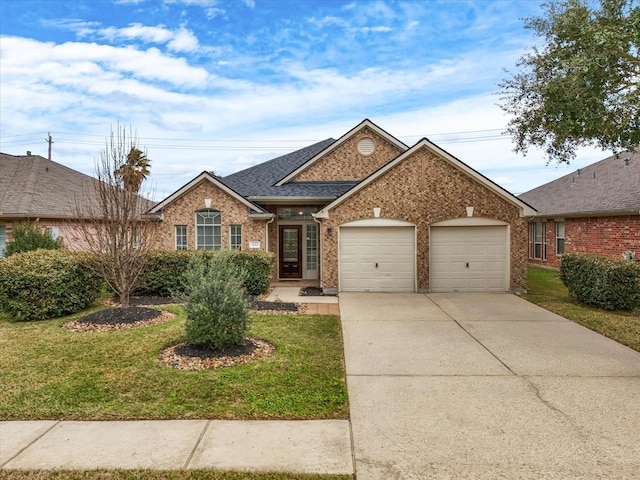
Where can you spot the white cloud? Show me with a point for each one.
(184, 41)
(137, 31)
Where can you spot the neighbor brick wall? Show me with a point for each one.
(425, 189)
(608, 236)
(345, 163)
(182, 212)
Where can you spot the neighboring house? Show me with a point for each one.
(361, 213)
(595, 209)
(33, 188)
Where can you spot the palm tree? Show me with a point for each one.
(134, 170)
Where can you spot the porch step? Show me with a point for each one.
(290, 295)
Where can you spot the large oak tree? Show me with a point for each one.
(579, 87)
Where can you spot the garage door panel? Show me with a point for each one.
(468, 259)
(391, 248)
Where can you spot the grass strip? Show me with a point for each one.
(547, 290)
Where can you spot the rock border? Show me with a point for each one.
(171, 359)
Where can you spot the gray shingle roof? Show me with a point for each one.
(260, 180)
(608, 186)
(33, 186)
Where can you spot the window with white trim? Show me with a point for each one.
(537, 240)
(181, 237)
(3, 239)
(312, 246)
(208, 230)
(559, 238)
(235, 237)
(54, 232)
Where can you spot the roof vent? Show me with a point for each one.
(627, 161)
(366, 146)
(29, 152)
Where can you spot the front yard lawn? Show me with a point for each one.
(48, 372)
(546, 290)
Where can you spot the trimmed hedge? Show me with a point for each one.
(602, 282)
(42, 284)
(164, 275)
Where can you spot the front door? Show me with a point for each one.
(291, 251)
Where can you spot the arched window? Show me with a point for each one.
(208, 230)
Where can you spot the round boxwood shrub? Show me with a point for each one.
(215, 306)
(42, 284)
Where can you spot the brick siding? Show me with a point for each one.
(346, 163)
(608, 236)
(182, 212)
(425, 189)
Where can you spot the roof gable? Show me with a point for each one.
(524, 208)
(365, 126)
(611, 185)
(204, 177)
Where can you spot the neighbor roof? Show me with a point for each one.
(32, 186)
(609, 186)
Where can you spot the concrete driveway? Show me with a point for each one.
(485, 386)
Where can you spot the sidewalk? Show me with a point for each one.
(308, 446)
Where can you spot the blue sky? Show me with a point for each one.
(222, 85)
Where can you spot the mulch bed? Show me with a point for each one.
(187, 356)
(116, 318)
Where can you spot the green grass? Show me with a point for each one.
(157, 475)
(546, 290)
(48, 372)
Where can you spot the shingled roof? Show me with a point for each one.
(260, 181)
(610, 186)
(32, 186)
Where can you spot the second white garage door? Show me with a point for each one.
(468, 259)
(377, 259)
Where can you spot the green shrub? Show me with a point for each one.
(258, 266)
(602, 282)
(164, 275)
(43, 284)
(216, 310)
(29, 236)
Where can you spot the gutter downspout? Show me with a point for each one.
(266, 232)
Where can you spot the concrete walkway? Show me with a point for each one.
(485, 386)
(318, 446)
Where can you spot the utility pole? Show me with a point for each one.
(50, 142)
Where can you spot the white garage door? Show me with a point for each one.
(468, 259)
(377, 259)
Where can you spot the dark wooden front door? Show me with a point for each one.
(290, 251)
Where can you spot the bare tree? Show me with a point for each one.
(113, 227)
